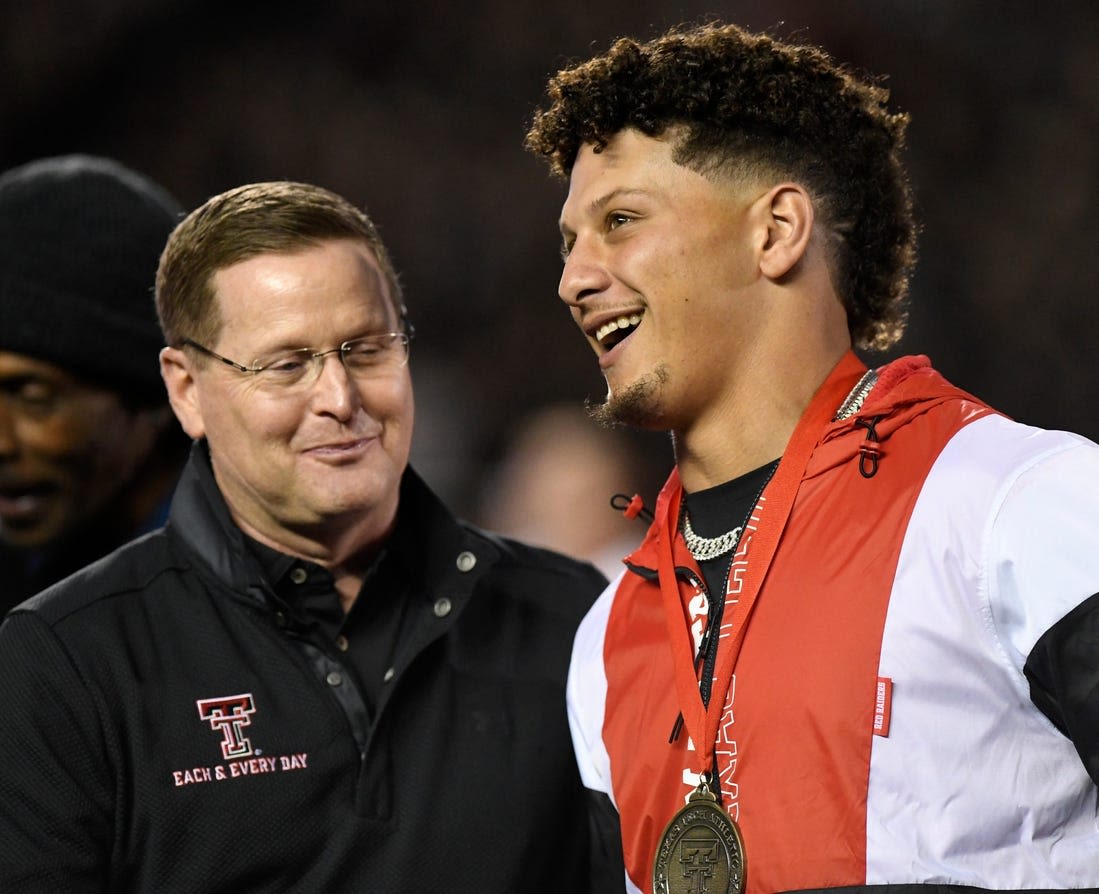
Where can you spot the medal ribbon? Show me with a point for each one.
(702, 719)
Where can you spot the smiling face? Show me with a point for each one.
(67, 448)
(659, 274)
(311, 465)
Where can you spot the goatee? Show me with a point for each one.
(637, 405)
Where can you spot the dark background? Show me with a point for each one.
(417, 111)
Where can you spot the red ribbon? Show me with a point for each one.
(701, 720)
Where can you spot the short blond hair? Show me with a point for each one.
(250, 220)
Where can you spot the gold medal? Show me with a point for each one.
(701, 851)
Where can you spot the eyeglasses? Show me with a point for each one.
(290, 370)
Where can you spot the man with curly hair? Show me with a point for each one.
(856, 646)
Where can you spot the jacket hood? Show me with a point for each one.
(905, 389)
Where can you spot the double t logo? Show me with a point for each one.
(698, 859)
(229, 714)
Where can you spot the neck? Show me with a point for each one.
(349, 581)
(346, 551)
(792, 340)
(753, 423)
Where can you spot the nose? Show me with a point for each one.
(334, 393)
(584, 273)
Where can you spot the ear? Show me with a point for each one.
(177, 371)
(788, 219)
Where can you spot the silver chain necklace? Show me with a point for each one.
(705, 548)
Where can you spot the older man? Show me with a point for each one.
(314, 678)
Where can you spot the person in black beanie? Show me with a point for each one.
(89, 449)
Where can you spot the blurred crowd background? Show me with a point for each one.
(416, 111)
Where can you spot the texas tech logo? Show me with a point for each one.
(228, 715)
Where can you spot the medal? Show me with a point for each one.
(701, 851)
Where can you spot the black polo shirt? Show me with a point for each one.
(366, 638)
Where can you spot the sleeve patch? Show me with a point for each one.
(883, 704)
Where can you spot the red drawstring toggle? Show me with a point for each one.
(631, 508)
(868, 461)
(869, 450)
(635, 505)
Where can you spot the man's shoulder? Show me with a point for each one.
(535, 569)
(996, 443)
(535, 559)
(912, 402)
(123, 573)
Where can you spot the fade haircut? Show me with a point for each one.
(255, 219)
(747, 105)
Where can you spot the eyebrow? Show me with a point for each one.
(598, 204)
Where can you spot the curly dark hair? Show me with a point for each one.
(740, 102)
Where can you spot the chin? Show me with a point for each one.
(361, 496)
(638, 405)
(38, 532)
(24, 541)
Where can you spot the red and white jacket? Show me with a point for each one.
(879, 728)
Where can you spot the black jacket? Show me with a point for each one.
(168, 729)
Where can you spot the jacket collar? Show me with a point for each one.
(905, 389)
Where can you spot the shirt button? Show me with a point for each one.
(388, 675)
(298, 575)
(442, 607)
(333, 679)
(341, 643)
(466, 561)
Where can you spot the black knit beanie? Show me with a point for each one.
(80, 238)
